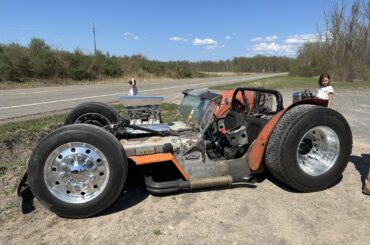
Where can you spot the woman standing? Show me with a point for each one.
(133, 89)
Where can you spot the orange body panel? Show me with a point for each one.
(257, 153)
(159, 157)
(224, 107)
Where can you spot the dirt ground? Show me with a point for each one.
(270, 213)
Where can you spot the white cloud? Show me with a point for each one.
(130, 36)
(227, 38)
(289, 47)
(178, 39)
(301, 39)
(207, 42)
(265, 39)
(273, 49)
(204, 42)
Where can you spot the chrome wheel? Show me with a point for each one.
(318, 150)
(94, 119)
(76, 172)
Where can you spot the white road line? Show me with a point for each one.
(38, 92)
(60, 90)
(106, 95)
(56, 101)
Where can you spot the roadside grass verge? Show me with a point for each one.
(9, 131)
(294, 82)
(147, 78)
(68, 82)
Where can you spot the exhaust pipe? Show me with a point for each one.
(196, 183)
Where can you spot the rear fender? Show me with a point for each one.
(258, 148)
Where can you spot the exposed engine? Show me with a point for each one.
(142, 109)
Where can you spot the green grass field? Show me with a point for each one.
(292, 82)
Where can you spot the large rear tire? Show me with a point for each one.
(78, 170)
(309, 148)
(94, 113)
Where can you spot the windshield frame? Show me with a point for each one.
(197, 108)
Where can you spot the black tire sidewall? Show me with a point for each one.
(317, 117)
(92, 135)
(92, 107)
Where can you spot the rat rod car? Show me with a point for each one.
(216, 140)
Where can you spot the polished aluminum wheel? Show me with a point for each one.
(94, 119)
(318, 150)
(76, 172)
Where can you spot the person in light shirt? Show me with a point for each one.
(133, 89)
(325, 91)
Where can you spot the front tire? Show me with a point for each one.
(94, 113)
(309, 148)
(77, 171)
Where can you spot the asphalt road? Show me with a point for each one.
(19, 103)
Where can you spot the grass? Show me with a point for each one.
(31, 126)
(2, 170)
(294, 82)
(50, 83)
(13, 165)
(224, 74)
(66, 82)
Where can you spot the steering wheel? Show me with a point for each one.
(237, 105)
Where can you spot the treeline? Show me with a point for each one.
(343, 48)
(245, 64)
(39, 61)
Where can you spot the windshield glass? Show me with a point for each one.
(196, 110)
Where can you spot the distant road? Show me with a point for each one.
(18, 103)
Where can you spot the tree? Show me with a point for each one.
(42, 59)
(344, 46)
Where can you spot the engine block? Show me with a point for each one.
(142, 109)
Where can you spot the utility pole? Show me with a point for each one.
(94, 38)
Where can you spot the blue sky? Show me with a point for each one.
(164, 29)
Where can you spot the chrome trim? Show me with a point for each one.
(318, 150)
(76, 172)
